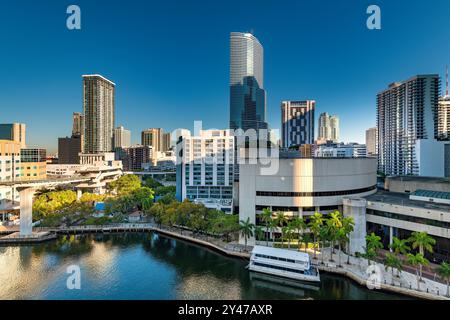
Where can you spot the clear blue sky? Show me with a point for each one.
(170, 59)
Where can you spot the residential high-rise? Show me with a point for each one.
(205, 169)
(98, 109)
(166, 142)
(371, 141)
(247, 94)
(122, 137)
(407, 134)
(153, 137)
(133, 157)
(328, 127)
(443, 114)
(15, 132)
(297, 123)
(78, 124)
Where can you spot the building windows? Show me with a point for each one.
(313, 194)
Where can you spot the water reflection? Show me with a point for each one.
(149, 266)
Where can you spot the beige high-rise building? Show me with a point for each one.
(78, 124)
(153, 137)
(371, 141)
(122, 137)
(98, 109)
(166, 142)
(328, 127)
(15, 132)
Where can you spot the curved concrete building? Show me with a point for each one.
(302, 186)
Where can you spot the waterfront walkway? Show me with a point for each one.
(357, 270)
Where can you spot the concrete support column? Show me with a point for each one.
(356, 208)
(79, 194)
(26, 211)
(391, 232)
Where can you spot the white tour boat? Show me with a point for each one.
(284, 263)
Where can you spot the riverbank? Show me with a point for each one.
(356, 270)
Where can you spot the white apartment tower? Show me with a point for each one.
(408, 137)
(205, 168)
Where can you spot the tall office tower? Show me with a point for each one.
(371, 141)
(166, 142)
(297, 123)
(328, 127)
(247, 96)
(205, 170)
(122, 137)
(153, 137)
(78, 124)
(407, 135)
(98, 109)
(15, 132)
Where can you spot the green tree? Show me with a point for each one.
(266, 217)
(246, 228)
(281, 221)
(393, 262)
(299, 225)
(373, 244)
(348, 225)
(315, 223)
(272, 227)
(334, 223)
(323, 237)
(125, 184)
(422, 241)
(418, 261)
(444, 272)
(400, 247)
(259, 233)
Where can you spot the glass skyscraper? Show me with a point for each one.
(247, 94)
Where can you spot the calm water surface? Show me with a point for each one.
(150, 266)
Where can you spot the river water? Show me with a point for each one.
(150, 266)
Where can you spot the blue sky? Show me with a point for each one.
(170, 59)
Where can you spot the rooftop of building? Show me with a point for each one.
(422, 179)
(403, 199)
(97, 76)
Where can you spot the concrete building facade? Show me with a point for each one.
(297, 123)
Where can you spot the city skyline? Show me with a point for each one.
(343, 65)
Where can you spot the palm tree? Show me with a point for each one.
(417, 261)
(341, 237)
(323, 236)
(348, 225)
(289, 231)
(266, 217)
(259, 232)
(272, 226)
(316, 222)
(444, 272)
(281, 219)
(334, 223)
(424, 242)
(246, 228)
(299, 225)
(374, 242)
(306, 237)
(399, 246)
(393, 262)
